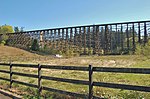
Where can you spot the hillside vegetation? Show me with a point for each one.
(22, 56)
(7, 51)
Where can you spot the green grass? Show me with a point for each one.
(109, 61)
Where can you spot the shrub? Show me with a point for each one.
(2, 42)
(51, 51)
(3, 39)
(143, 49)
(35, 45)
(90, 51)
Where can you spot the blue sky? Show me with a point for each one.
(43, 14)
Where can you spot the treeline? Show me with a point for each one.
(4, 29)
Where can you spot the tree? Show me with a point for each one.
(21, 29)
(3, 39)
(6, 29)
(35, 45)
(3, 30)
(16, 29)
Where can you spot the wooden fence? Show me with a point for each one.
(89, 83)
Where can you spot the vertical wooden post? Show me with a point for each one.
(145, 33)
(133, 38)
(71, 38)
(97, 40)
(10, 74)
(75, 39)
(55, 41)
(66, 43)
(93, 40)
(84, 31)
(106, 40)
(58, 37)
(89, 38)
(51, 39)
(80, 40)
(39, 79)
(139, 33)
(111, 43)
(122, 38)
(63, 41)
(116, 37)
(127, 38)
(90, 82)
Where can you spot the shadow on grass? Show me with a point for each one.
(8, 95)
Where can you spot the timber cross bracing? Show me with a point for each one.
(114, 38)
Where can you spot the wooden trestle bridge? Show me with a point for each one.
(114, 38)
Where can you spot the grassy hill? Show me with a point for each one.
(19, 55)
(6, 51)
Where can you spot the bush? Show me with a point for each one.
(143, 49)
(69, 52)
(35, 45)
(90, 51)
(3, 39)
(2, 42)
(47, 50)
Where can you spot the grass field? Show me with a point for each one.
(17, 56)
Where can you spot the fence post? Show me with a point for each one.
(39, 79)
(90, 82)
(10, 74)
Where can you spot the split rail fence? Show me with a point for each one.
(90, 83)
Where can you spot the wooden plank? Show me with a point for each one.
(26, 84)
(66, 80)
(25, 65)
(122, 38)
(127, 35)
(139, 33)
(145, 33)
(65, 92)
(122, 70)
(26, 75)
(133, 39)
(5, 64)
(89, 38)
(1, 78)
(11, 75)
(4, 71)
(122, 86)
(93, 39)
(79, 68)
(39, 79)
(84, 40)
(90, 82)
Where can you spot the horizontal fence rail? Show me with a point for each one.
(66, 80)
(122, 70)
(122, 86)
(79, 68)
(90, 81)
